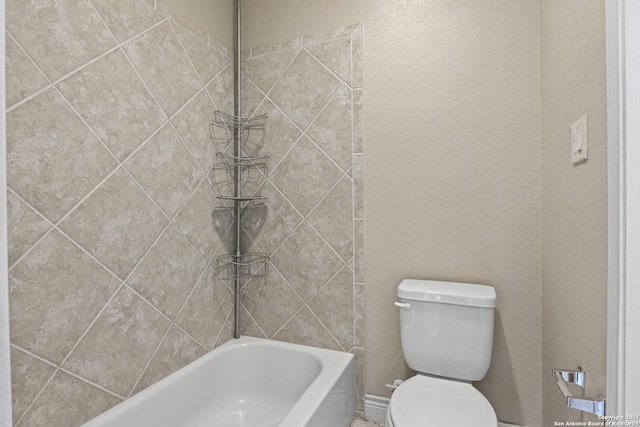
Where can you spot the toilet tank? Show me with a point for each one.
(446, 328)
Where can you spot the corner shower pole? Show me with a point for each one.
(238, 153)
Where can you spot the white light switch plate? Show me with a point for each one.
(579, 140)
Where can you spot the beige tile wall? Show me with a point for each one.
(110, 232)
(311, 89)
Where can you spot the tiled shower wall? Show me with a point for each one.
(109, 202)
(311, 89)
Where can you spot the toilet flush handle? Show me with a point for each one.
(404, 305)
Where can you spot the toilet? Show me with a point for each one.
(446, 330)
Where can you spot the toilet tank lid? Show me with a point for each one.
(448, 292)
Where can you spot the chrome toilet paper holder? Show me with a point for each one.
(594, 405)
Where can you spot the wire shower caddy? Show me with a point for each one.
(238, 178)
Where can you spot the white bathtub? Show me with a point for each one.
(248, 382)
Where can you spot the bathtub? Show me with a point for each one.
(247, 382)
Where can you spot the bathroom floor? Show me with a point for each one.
(359, 422)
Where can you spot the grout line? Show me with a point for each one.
(351, 66)
(288, 321)
(226, 321)
(284, 71)
(84, 122)
(103, 21)
(298, 48)
(96, 385)
(188, 149)
(184, 304)
(58, 369)
(149, 361)
(290, 286)
(184, 331)
(184, 49)
(277, 249)
(89, 254)
(284, 156)
(56, 228)
(311, 123)
(33, 95)
(91, 324)
(323, 198)
(325, 328)
(143, 298)
(26, 411)
(327, 243)
(333, 73)
(51, 228)
(353, 226)
(246, 310)
(53, 83)
(327, 283)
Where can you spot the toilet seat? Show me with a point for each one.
(424, 401)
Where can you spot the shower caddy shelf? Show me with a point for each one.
(238, 178)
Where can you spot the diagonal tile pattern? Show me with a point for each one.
(333, 218)
(195, 222)
(80, 34)
(206, 310)
(24, 75)
(335, 54)
(165, 169)
(333, 305)
(304, 328)
(55, 279)
(164, 65)
(332, 129)
(97, 175)
(304, 88)
(53, 160)
(126, 18)
(25, 227)
(305, 175)
(168, 273)
(29, 376)
(271, 301)
(177, 350)
(192, 124)
(265, 70)
(280, 220)
(314, 139)
(68, 401)
(221, 90)
(116, 224)
(115, 351)
(112, 99)
(281, 136)
(86, 209)
(207, 60)
(306, 261)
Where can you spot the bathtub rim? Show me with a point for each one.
(302, 410)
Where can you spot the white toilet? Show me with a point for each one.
(446, 331)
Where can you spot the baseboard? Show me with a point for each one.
(375, 410)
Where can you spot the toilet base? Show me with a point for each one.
(387, 422)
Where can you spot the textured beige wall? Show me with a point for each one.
(215, 17)
(452, 154)
(575, 198)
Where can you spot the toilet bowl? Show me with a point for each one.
(447, 338)
(423, 401)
